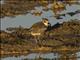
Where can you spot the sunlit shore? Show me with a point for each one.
(62, 50)
(60, 42)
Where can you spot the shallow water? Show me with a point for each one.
(28, 20)
(36, 55)
(32, 56)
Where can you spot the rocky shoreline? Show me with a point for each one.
(61, 37)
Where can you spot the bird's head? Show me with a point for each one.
(45, 22)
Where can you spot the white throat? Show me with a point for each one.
(46, 24)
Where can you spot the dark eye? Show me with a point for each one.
(44, 21)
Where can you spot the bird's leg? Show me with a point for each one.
(36, 39)
(39, 41)
(40, 55)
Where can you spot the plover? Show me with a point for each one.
(39, 28)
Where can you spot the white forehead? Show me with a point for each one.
(45, 21)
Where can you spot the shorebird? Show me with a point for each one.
(39, 28)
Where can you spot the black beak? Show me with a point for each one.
(49, 24)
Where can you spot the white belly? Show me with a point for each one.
(34, 34)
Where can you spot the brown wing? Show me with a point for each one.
(38, 27)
